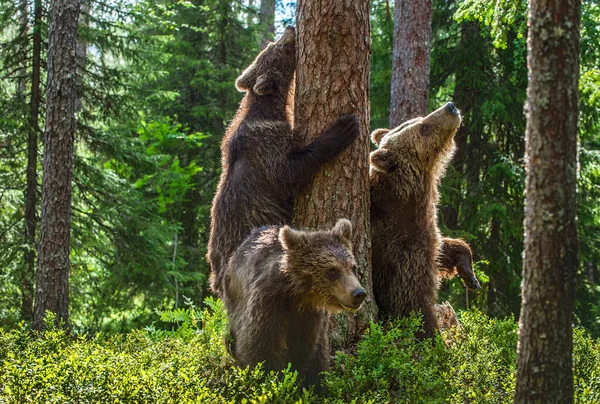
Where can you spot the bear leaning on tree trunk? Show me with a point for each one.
(278, 289)
(263, 170)
(407, 247)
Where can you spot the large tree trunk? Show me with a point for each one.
(332, 78)
(52, 288)
(410, 60)
(27, 288)
(544, 364)
(81, 54)
(266, 19)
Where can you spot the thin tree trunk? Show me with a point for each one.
(267, 23)
(250, 13)
(410, 60)
(24, 34)
(32, 154)
(544, 362)
(52, 287)
(332, 78)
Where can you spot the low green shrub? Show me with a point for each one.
(187, 363)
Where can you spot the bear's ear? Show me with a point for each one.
(246, 79)
(264, 85)
(382, 160)
(343, 228)
(378, 134)
(290, 238)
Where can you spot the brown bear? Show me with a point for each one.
(278, 289)
(406, 243)
(263, 167)
(456, 258)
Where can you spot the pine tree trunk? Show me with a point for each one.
(27, 287)
(52, 287)
(410, 60)
(544, 364)
(24, 34)
(81, 53)
(332, 78)
(267, 23)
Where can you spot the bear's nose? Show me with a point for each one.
(359, 295)
(452, 108)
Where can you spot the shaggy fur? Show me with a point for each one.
(278, 289)
(263, 170)
(404, 176)
(456, 258)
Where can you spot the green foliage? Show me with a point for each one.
(390, 365)
(156, 89)
(482, 361)
(476, 364)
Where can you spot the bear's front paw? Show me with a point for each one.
(348, 126)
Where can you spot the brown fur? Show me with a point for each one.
(278, 289)
(404, 175)
(263, 169)
(456, 258)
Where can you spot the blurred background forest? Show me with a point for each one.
(155, 92)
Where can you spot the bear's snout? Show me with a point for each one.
(359, 295)
(452, 108)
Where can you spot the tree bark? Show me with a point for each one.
(332, 78)
(544, 363)
(27, 287)
(81, 54)
(24, 34)
(52, 288)
(410, 60)
(267, 23)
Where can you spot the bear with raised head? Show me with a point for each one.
(278, 289)
(263, 167)
(404, 175)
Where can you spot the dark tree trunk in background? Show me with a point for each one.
(24, 34)
(52, 288)
(544, 363)
(266, 20)
(32, 154)
(332, 78)
(410, 60)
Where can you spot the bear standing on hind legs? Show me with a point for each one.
(404, 177)
(263, 169)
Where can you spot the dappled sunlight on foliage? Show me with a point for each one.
(185, 360)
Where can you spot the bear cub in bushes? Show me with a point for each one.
(404, 176)
(263, 168)
(278, 289)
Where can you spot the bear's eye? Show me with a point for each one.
(333, 274)
(425, 129)
(355, 270)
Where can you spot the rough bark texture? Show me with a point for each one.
(410, 60)
(52, 288)
(27, 288)
(81, 54)
(332, 78)
(267, 23)
(544, 364)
